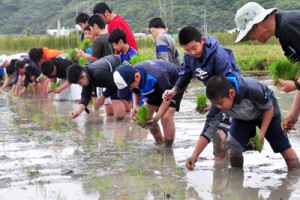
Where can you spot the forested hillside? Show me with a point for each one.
(35, 16)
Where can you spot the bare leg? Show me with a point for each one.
(154, 127)
(291, 159)
(119, 109)
(128, 105)
(167, 122)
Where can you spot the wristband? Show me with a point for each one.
(297, 84)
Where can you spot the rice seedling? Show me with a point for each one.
(137, 59)
(142, 116)
(284, 69)
(255, 143)
(72, 55)
(82, 60)
(85, 44)
(201, 102)
(53, 86)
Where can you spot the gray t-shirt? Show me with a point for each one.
(166, 49)
(101, 47)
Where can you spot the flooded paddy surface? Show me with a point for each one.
(44, 154)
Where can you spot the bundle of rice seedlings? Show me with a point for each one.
(201, 102)
(255, 143)
(142, 116)
(284, 69)
(85, 44)
(72, 55)
(82, 60)
(137, 59)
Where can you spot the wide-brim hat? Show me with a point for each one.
(249, 15)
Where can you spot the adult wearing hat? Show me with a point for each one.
(257, 23)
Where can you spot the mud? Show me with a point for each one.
(44, 154)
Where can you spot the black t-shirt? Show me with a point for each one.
(61, 67)
(288, 32)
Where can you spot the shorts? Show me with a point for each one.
(157, 100)
(241, 131)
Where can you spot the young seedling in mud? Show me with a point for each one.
(36, 118)
(142, 116)
(201, 102)
(255, 143)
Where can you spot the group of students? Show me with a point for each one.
(238, 104)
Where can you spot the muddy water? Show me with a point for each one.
(46, 155)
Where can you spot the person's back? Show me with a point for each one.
(165, 46)
(114, 21)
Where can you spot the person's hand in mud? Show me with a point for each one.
(289, 121)
(169, 94)
(205, 110)
(133, 113)
(21, 93)
(99, 102)
(57, 90)
(76, 113)
(190, 163)
(286, 85)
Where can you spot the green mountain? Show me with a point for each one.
(36, 16)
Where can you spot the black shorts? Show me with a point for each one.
(157, 100)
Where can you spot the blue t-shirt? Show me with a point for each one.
(126, 57)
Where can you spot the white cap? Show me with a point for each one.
(247, 16)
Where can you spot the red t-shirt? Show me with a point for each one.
(119, 22)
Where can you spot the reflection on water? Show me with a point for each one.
(44, 154)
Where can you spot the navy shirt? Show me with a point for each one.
(215, 60)
(288, 32)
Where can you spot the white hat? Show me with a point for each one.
(3, 58)
(249, 15)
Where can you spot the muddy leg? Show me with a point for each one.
(291, 159)
(236, 160)
(219, 145)
(155, 131)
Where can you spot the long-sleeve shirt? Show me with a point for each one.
(100, 74)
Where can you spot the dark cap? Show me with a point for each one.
(74, 73)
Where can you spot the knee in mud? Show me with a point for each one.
(236, 161)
